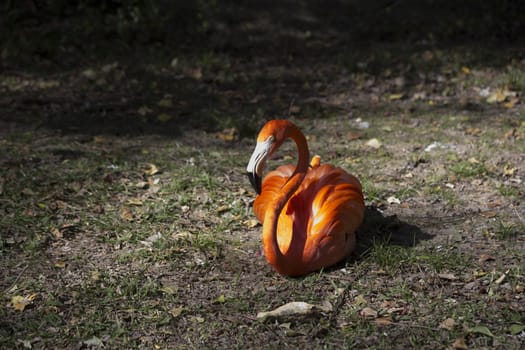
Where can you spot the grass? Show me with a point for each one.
(121, 255)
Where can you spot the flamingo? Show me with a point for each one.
(309, 212)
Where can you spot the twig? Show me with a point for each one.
(16, 279)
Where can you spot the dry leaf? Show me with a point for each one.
(393, 200)
(368, 312)
(496, 97)
(165, 102)
(176, 311)
(485, 257)
(465, 70)
(95, 275)
(502, 277)
(351, 135)
(373, 143)
(60, 264)
(447, 276)
(228, 134)
(57, 233)
(449, 324)
(19, 302)
(251, 223)
(126, 214)
(508, 171)
(94, 342)
(295, 109)
(152, 169)
(512, 133)
(511, 102)
(294, 308)
(164, 117)
(143, 111)
(473, 131)
(459, 344)
(393, 97)
(134, 201)
(383, 321)
(359, 300)
(100, 139)
(181, 235)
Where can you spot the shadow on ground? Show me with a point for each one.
(391, 230)
(210, 67)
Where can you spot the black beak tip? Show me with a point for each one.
(255, 181)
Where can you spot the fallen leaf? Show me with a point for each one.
(181, 235)
(221, 299)
(126, 214)
(373, 143)
(195, 73)
(393, 97)
(473, 131)
(516, 329)
(228, 134)
(60, 264)
(511, 102)
(251, 223)
(447, 276)
(152, 169)
(465, 70)
(510, 134)
(57, 233)
(496, 97)
(393, 200)
(294, 308)
(94, 341)
(176, 311)
(368, 312)
(165, 102)
(170, 290)
(459, 344)
(351, 135)
(383, 321)
(164, 117)
(473, 160)
(28, 192)
(449, 324)
(222, 209)
(502, 277)
(134, 201)
(95, 275)
(144, 111)
(485, 257)
(508, 171)
(19, 302)
(481, 330)
(90, 74)
(295, 109)
(359, 300)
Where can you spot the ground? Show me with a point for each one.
(125, 213)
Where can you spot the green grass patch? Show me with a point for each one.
(468, 169)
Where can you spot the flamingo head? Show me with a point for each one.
(271, 136)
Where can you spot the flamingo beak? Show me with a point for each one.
(256, 182)
(257, 162)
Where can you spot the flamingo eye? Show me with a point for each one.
(270, 139)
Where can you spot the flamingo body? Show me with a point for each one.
(309, 213)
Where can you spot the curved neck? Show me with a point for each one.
(271, 247)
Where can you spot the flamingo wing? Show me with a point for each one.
(271, 186)
(329, 206)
